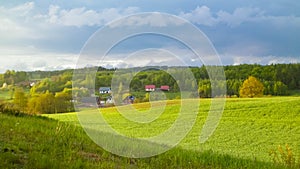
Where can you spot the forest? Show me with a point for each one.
(51, 91)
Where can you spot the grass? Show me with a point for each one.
(248, 131)
(36, 142)
(249, 128)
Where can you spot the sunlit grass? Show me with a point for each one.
(35, 142)
(249, 128)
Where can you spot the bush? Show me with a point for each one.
(9, 108)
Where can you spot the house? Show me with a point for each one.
(150, 88)
(109, 100)
(128, 99)
(105, 102)
(165, 88)
(103, 90)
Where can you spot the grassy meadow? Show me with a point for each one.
(249, 128)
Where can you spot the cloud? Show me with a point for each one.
(14, 21)
(239, 16)
(250, 59)
(49, 38)
(54, 28)
(153, 19)
(23, 9)
(203, 16)
(85, 17)
(39, 64)
(30, 58)
(27, 24)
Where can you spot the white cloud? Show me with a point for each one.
(85, 17)
(78, 17)
(53, 10)
(18, 23)
(8, 25)
(23, 10)
(153, 19)
(30, 58)
(25, 25)
(239, 16)
(264, 60)
(203, 16)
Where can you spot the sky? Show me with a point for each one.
(51, 35)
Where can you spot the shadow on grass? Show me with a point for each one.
(178, 157)
(39, 142)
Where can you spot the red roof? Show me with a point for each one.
(150, 87)
(164, 87)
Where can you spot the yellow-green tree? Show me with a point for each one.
(47, 101)
(34, 105)
(43, 103)
(20, 99)
(251, 87)
(63, 102)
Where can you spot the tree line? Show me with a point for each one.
(51, 91)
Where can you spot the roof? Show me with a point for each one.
(164, 87)
(104, 88)
(150, 87)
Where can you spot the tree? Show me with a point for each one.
(268, 88)
(204, 88)
(20, 99)
(251, 87)
(9, 77)
(11, 89)
(34, 105)
(47, 102)
(176, 86)
(2, 79)
(63, 102)
(147, 97)
(280, 89)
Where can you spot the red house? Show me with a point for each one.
(165, 88)
(150, 88)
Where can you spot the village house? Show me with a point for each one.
(103, 90)
(150, 88)
(109, 100)
(165, 88)
(128, 99)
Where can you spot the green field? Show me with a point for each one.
(249, 128)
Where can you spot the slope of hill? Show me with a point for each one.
(249, 128)
(39, 142)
